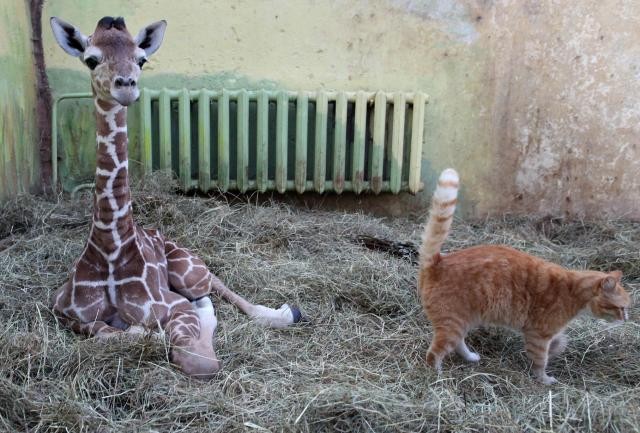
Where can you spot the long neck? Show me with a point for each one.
(112, 217)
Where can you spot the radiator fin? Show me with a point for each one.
(285, 141)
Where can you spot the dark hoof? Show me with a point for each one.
(297, 315)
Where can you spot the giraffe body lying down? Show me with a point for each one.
(128, 277)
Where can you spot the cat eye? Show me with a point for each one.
(91, 62)
(141, 62)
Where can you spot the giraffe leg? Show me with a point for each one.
(189, 276)
(97, 328)
(208, 321)
(61, 304)
(102, 330)
(281, 318)
(136, 332)
(191, 333)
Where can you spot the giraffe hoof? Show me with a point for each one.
(284, 316)
(297, 315)
(195, 362)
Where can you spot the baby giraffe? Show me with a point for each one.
(497, 285)
(129, 278)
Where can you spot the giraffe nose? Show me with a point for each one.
(124, 82)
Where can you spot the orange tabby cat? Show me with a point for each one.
(497, 285)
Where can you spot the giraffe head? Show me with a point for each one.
(113, 56)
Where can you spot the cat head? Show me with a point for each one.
(611, 301)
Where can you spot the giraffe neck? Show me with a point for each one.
(113, 225)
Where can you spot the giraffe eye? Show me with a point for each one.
(91, 62)
(141, 62)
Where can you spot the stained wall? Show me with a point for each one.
(19, 163)
(534, 102)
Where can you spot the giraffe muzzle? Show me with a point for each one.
(125, 90)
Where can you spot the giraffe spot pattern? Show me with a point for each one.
(122, 276)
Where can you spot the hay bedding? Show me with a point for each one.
(358, 367)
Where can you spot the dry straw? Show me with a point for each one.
(359, 366)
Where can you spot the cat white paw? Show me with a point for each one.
(472, 357)
(547, 380)
(467, 354)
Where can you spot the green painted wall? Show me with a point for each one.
(265, 45)
(19, 164)
(533, 102)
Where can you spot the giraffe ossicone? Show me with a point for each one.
(129, 279)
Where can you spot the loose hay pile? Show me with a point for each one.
(358, 367)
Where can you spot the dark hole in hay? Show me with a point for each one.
(403, 250)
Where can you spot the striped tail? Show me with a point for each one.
(443, 205)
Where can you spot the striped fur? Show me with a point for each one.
(443, 205)
(497, 285)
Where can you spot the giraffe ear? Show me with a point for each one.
(69, 37)
(150, 37)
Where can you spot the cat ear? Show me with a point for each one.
(617, 275)
(608, 284)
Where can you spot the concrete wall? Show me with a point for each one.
(19, 164)
(534, 102)
(565, 110)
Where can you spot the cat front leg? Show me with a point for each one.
(463, 350)
(445, 340)
(537, 348)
